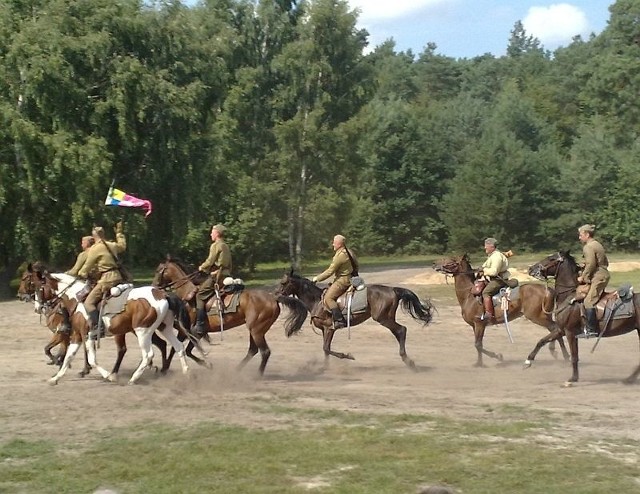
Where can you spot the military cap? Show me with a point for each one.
(98, 231)
(221, 228)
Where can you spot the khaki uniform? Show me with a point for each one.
(100, 258)
(220, 264)
(496, 269)
(595, 272)
(341, 268)
(80, 260)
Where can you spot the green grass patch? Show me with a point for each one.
(342, 453)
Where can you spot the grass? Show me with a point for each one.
(342, 452)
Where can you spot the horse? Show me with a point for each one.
(146, 310)
(257, 308)
(33, 288)
(534, 302)
(381, 305)
(564, 268)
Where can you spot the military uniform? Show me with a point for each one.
(219, 261)
(496, 269)
(342, 268)
(595, 271)
(99, 257)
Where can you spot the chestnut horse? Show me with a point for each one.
(382, 303)
(534, 302)
(258, 309)
(563, 267)
(146, 310)
(33, 288)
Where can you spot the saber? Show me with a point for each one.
(349, 300)
(505, 310)
(220, 306)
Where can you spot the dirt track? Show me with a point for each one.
(445, 383)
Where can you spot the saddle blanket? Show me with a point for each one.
(509, 293)
(230, 304)
(358, 301)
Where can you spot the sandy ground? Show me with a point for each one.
(445, 383)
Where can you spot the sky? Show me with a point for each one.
(469, 28)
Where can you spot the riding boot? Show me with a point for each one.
(338, 319)
(94, 326)
(489, 314)
(201, 320)
(591, 326)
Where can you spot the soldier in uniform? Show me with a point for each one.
(85, 244)
(102, 257)
(218, 265)
(595, 274)
(343, 266)
(495, 268)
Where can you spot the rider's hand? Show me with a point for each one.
(314, 279)
(119, 227)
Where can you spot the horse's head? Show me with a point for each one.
(289, 284)
(27, 287)
(454, 265)
(36, 284)
(548, 267)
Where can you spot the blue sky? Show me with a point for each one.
(467, 28)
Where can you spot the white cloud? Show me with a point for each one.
(376, 10)
(556, 24)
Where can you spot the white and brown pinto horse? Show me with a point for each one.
(145, 310)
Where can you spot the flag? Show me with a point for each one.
(116, 197)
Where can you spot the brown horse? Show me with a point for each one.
(143, 311)
(381, 305)
(563, 267)
(34, 288)
(534, 302)
(258, 309)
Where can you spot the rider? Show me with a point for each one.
(218, 265)
(595, 274)
(343, 266)
(495, 268)
(85, 244)
(102, 256)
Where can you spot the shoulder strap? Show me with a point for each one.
(354, 264)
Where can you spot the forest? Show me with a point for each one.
(279, 120)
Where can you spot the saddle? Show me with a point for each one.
(115, 302)
(614, 305)
(355, 298)
(230, 302)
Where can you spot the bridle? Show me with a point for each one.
(175, 284)
(543, 273)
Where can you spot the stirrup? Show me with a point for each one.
(339, 324)
(586, 334)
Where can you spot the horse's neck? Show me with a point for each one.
(182, 285)
(566, 282)
(309, 294)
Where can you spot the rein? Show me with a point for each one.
(176, 283)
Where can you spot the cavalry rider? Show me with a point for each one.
(103, 257)
(343, 266)
(495, 268)
(595, 274)
(85, 244)
(218, 265)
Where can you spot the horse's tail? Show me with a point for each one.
(411, 304)
(297, 314)
(180, 310)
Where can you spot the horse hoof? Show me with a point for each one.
(52, 382)
(51, 363)
(349, 356)
(112, 378)
(527, 363)
(500, 357)
(568, 384)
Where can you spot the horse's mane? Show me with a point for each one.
(306, 285)
(187, 268)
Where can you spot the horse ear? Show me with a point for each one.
(168, 257)
(291, 271)
(30, 268)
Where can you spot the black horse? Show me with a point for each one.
(563, 267)
(382, 303)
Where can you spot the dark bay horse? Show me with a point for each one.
(257, 308)
(382, 303)
(535, 303)
(143, 311)
(564, 268)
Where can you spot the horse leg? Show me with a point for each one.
(176, 344)
(251, 352)
(144, 341)
(161, 345)
(400, 332)
(328, 338)
(90, 346)
(551, 337)
(478, 332)
(573, 347)
(53, 342)
(71, 351)
(121, 346)
(265, 351)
